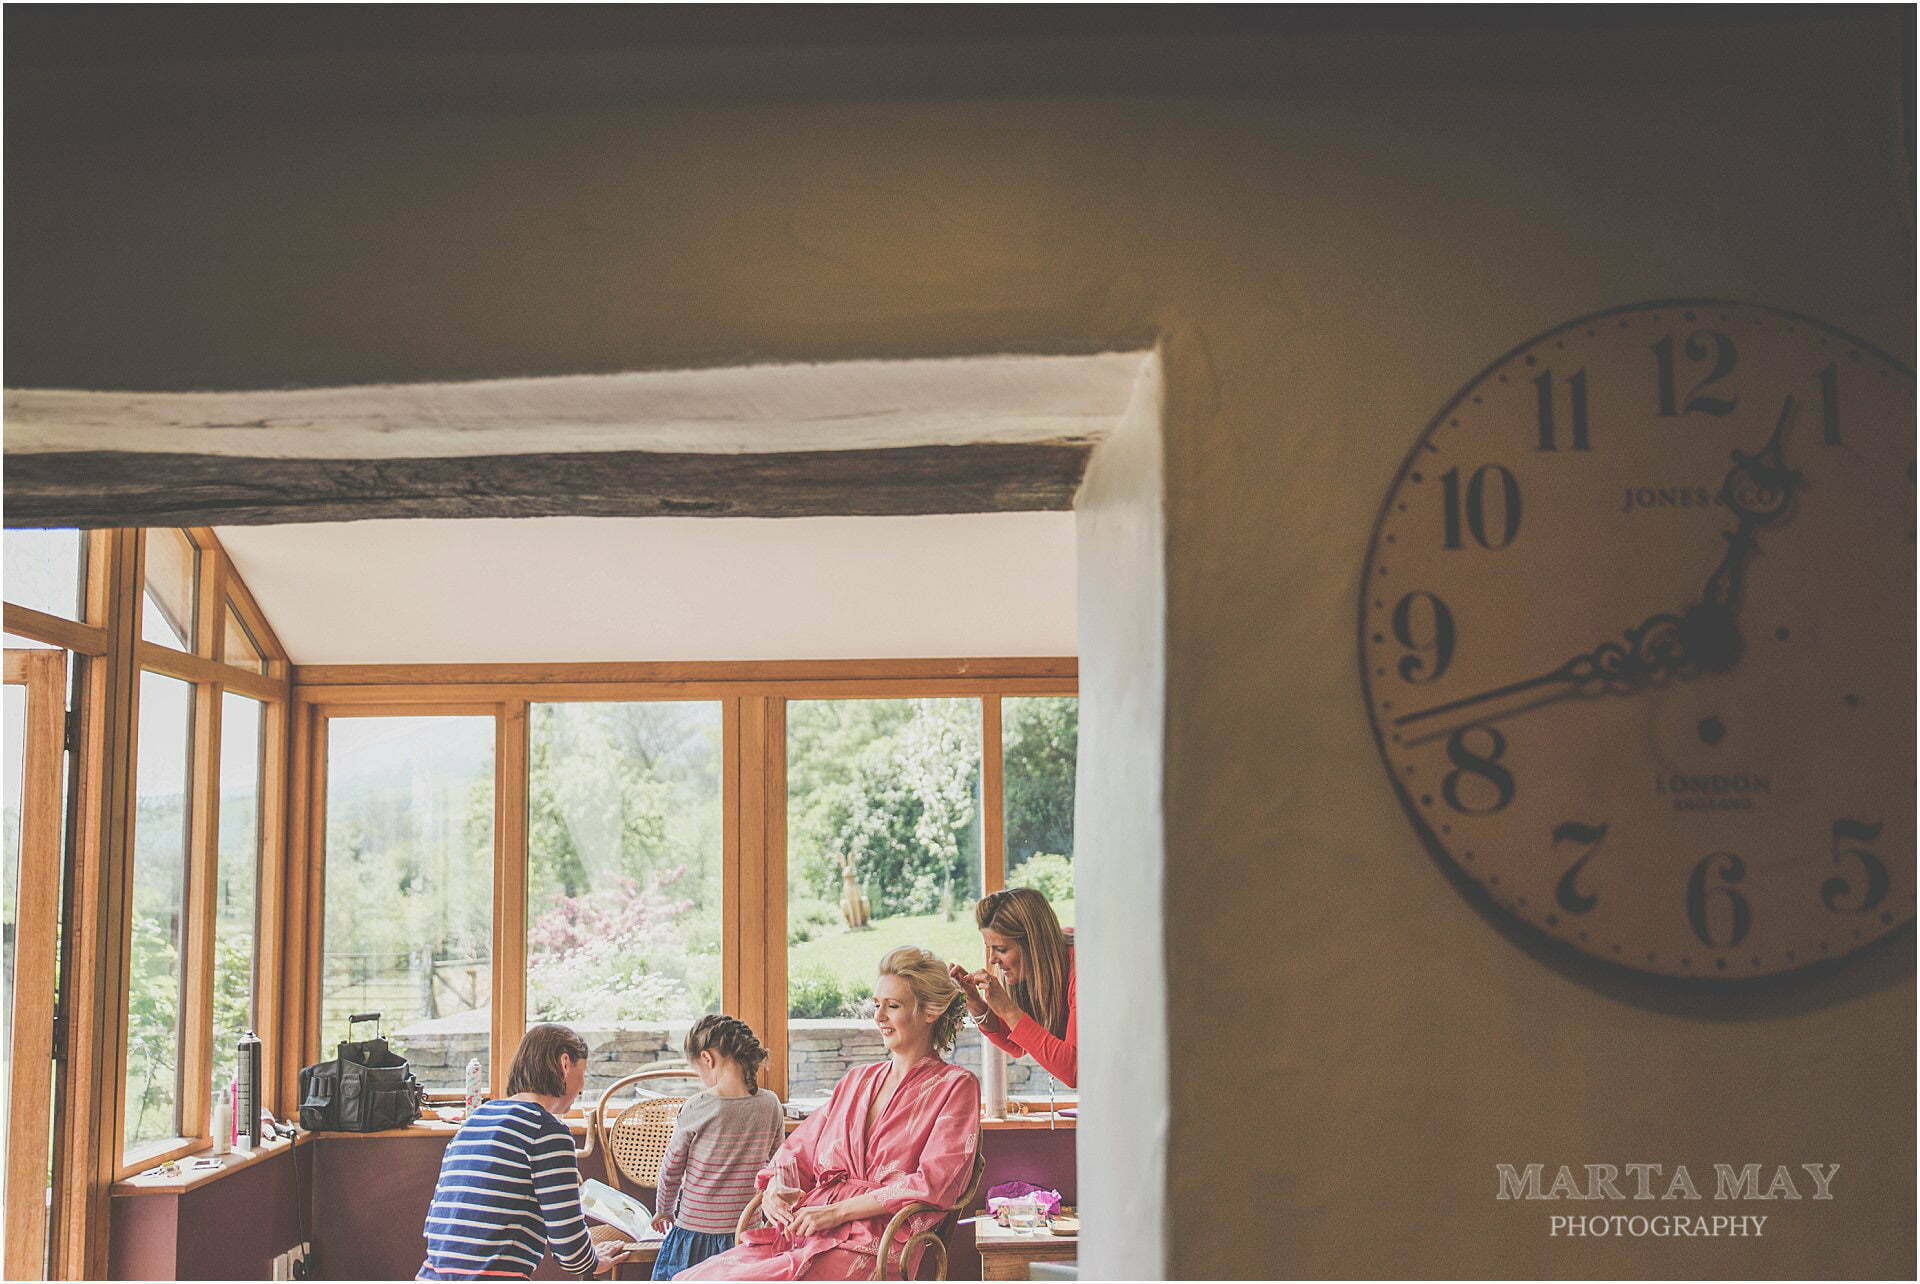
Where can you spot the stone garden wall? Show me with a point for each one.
(819, 1053)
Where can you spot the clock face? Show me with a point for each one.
(1636, 636)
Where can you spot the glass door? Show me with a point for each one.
(29, 930)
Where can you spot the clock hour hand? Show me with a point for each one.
(1760, 490)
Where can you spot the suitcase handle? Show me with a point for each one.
(359, 1018)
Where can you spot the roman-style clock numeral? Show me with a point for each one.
(1432, 645)
(1834, 889)
(1830, 405)
(1725, 357)
(1589, 837)
(1714, 877)
(1468, 504)
(1577, 390)
(1483, 767)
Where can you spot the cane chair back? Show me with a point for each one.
(937, 1239)
(635, 1140)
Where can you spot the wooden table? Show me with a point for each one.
(1005, 1255)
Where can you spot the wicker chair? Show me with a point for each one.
(935, 1239)
(635, 1140)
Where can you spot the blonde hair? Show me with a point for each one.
(933, 989)
(731, 1039)
(1024, 917)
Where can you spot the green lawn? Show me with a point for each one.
(852, 956)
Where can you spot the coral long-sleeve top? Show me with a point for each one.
(1059, 1057)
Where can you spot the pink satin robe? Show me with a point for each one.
(920, 1148)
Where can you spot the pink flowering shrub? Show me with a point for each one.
(617, 953)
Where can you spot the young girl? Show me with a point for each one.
(722, 1137)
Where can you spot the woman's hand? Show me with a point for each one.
(777, 1204)
(608, 1256)
(819, 1219)
(663, 1224)
(969, 989)
(999, 1000)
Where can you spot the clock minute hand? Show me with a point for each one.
(1650, 651)
(1760, 489)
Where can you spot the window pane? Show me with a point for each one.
(168, 617)
(409, 887)
(623, 875)
(883, 825)
(1041, 735)
(236, 879)
(240, 650)
(45, 570)
(159, 891)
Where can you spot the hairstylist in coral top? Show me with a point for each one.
(1025, 998)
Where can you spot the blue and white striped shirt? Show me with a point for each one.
(508, 1189)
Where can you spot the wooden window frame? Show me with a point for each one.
(753, 696)
(29, 1091)
(108, 657)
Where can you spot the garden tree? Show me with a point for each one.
(1042, 737)
(153, 997)
(615, 788)
(892, 783)
(234, 930)
(408, 882)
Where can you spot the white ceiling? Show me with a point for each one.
(674, 588)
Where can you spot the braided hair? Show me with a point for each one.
(730, 1038)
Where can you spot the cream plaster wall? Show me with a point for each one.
(1351, 1046)
(1119, 823)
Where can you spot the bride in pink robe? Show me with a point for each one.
(896, 1132)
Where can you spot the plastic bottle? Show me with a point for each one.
(221, 1128)
(476, 1084)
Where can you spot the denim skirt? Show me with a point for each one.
(684, 1248)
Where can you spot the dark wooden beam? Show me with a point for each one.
(115, 488)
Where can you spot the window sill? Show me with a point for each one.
(158, 1151)
(190, 1179)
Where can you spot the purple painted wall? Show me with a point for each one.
(369, 1199)
(1043, 1157)
(228, 1229)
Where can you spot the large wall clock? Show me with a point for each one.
(1636, 637)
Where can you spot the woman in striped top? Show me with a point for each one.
(721, 1138)
(508, 1188)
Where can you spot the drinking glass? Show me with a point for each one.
(1023, 1216)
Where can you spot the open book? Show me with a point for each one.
(622, 1212)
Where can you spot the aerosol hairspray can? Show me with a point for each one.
(247, 1108)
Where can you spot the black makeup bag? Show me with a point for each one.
(367, 1087)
